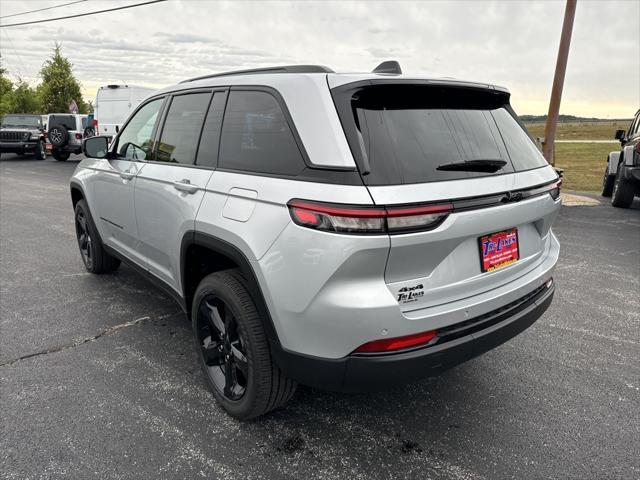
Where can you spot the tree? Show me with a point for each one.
(24, 98)
(59, 85)
(6, 92)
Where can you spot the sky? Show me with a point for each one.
(509, 43)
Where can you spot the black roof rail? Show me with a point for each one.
(254, 71)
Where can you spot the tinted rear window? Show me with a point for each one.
(411, 133)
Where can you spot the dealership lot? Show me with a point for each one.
(98, 376)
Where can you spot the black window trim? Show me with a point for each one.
(311, 173)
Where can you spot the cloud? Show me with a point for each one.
(503, 42)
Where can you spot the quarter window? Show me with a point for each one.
(135, 142)
(256, 136)
(179, 139)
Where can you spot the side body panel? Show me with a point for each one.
(167, 198)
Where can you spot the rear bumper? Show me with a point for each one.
(461, 342)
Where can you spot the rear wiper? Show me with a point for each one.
(488, 166)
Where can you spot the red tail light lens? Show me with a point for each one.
(79, 136)
(398, 343)
(368, 220)
(555, 189)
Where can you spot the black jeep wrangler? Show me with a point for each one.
(621, 179)
(22, 134)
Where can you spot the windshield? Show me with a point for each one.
(415, 133)
(21, 121)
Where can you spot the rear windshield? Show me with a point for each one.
(68, 121)
(403, 134)
(21, 121)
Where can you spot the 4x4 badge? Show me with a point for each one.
(410, 294)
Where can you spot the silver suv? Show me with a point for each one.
(343, 231)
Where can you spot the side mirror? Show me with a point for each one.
(95, 147)
(619, 134)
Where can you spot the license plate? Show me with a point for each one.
(498, 249)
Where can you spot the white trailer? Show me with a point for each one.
(113, 105)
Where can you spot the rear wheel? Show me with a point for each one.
(623, 191)
(94, 256)
(61, 156)
(233, 349)
(40, 153)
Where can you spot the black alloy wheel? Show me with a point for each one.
(222, 347)
(84, 239)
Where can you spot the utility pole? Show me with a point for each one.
(558, 81)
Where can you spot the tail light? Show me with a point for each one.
(367, 220)
(399, 343)
(78, 136)
(94, 123)
(554, 190)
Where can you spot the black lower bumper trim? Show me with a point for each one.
(357, 373)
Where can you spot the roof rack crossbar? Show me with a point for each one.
(254, 71)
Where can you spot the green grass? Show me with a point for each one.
(583, 164)
(581, 131)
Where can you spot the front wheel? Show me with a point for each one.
(233, 349)
(61, 156)
(94, 256)
(623, 191)
(40, 153)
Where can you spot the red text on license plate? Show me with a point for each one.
(498, 249)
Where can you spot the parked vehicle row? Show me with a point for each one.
(344, 231)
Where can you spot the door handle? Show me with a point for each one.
(127, 175)
(185, 186)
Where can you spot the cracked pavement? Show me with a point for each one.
(98, 378)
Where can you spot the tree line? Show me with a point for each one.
(57, 88)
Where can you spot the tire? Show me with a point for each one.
(623, 191)
(40, 153)
(58, 135)
(233, 349)
(95, 258)
(61, 156)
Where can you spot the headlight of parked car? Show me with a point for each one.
(34, 137)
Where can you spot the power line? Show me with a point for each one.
(42, 9)
(82, 14)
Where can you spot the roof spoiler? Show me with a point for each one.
(390, 66)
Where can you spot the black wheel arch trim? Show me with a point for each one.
(232, 252)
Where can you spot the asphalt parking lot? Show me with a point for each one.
(98, 377)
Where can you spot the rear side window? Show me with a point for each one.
(404, 134)
(182, 126)
(256, 136)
